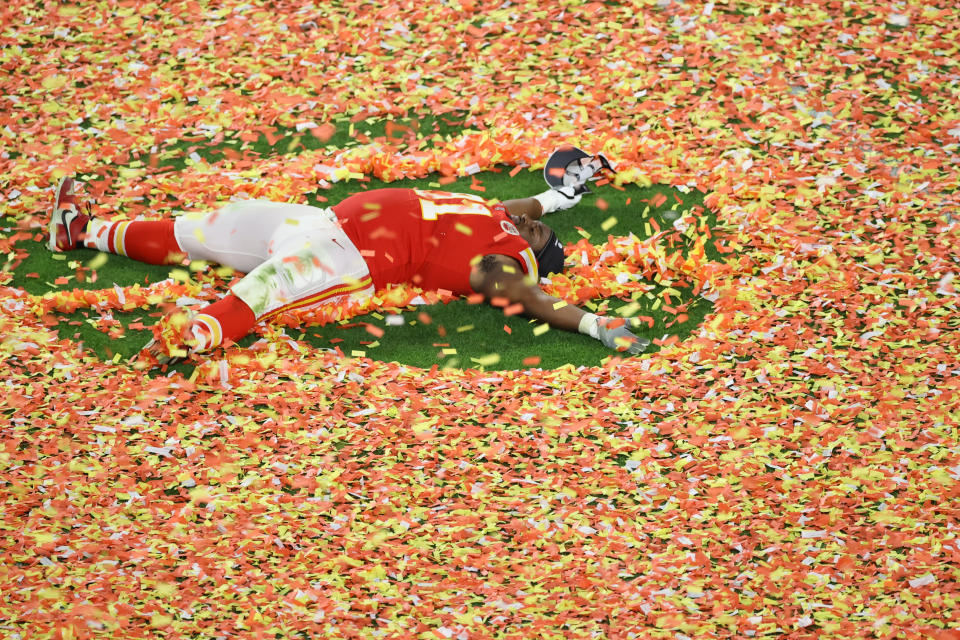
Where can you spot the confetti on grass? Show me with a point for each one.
(787, 470)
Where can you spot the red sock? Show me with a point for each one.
(226, 319)
(150, 241)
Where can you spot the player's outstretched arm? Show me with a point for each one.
(502, 283)
(541, 204)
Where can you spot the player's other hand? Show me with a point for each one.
(615, 333)
(558, 199)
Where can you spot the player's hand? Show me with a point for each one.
(570, 197)
(558, 199)
(153, 355)
(615, 333)
(176, 336)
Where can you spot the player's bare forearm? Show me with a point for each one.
(512, 288)
(546, 308)
(541, 204)
(502, 283)
(528, 207)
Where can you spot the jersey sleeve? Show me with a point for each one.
(508, 242)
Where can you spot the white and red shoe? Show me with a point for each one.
(67, 223)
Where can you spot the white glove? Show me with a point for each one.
(558, 199)
(618, 338)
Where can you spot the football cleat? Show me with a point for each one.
(67, 223)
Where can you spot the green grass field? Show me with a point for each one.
(457, 334)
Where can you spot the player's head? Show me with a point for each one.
(550, 256)
(546, 246)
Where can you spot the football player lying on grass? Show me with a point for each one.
(297, 256)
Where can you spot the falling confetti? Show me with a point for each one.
(789, 469)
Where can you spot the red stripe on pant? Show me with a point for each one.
(341, 289)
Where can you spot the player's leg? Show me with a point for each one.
(151, 241)
(241, 235)
(313, 262)
(237, 235)
(316, 265)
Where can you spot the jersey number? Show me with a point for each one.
(469, 205)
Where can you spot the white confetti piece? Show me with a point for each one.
(922, 581)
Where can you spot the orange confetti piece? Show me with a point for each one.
(323, 132)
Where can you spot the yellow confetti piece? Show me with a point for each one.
(466, 327)
(487, 360)
(541, 329)
(294, 143)
(464, 229)
(358, 353)
(53, 82)
(628, 310)
(421, 428)
(449, 351)
(160, 620)
(98, 261)
(609, 223)
(559, 304)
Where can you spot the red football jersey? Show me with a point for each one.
(429, 238)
